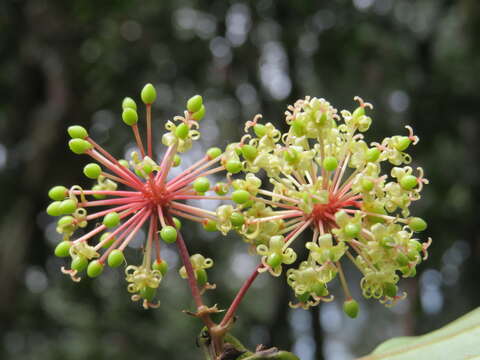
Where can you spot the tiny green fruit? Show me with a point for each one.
(202, 277)
(92, 170)
(109, 242)
(249, 152)
(54, 209)
(214, 152)
(274, 260)
(161, 266)
(168, 234)
(148, 94)
(201, 184)
(58, 193)
(237, 219)
(233, 166)
(129, 116)
(350, 307)
(210, 225)
(116, 258)
(129, 103)
(95, 268)
(417, 224)
(352, 230)
(79, 263)
(182, 131)
(68, 206)
(199, 115)
(330, 163)
(372, 155)
(79, 146)
(408, 182)
(63, 249)
(77, 132)
(194, 103)
(111, 220)
(240, 196)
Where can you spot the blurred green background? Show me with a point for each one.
(72, 62)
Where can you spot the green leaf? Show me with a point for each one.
(457, 340)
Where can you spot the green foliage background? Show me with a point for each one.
(68, 62)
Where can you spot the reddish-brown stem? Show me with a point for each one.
(149, 130)
(138, 139)
(238, 298)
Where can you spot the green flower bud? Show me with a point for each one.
(274, 260)
(182, 131)
(194, 103)
(77, 132)
(402, 259)
(298, 127)
(390, 289)
(148, 293)
(416, 245)
(98, 196)
(58, 193)
(291, 156)
(330, 163)
(79, 146)
(320, 289)
(233, 166)
(92, 170)
(352, 230)
(201, 184)
(214, 152)
(387, 242)
(109, 242)
(372, 155)
(129, 116)
(111, 220)
(161, 266)
(148, 94)
(63, 249)
(168, 234)
(210, 225)
(65, 221)
(417, 224)
(237, 219)
(367, 184)
(202, 277)
(116, 258)
(199, 115)
(79, 263)
(408, 182)
(350, 307)
(260, 130)
(54, 208)
(249, 152)
(303, 297)
(95, 268)
(129, 103)
(240, 196)
(403, 143)
(68, 206)
(177, 160)
(359, 111)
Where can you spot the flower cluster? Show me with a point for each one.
(150, 198)
(325, 177)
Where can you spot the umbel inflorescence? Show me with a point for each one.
(347, 198)
(152, 199)
(325, 177)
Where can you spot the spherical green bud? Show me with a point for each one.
(214, 152)
(116, 258)
(233, 166)
(161, 266)
(201, 184)
(350, 307)
(148, 94)
(58, 193)
(65, 221)
(249, 152)
(260, 130)
(210, 225)
(352, 230)
(412, 255)
(237, 219)
(77, 132)
(372, 155)
(79, 263)
(417, 224)
(200, 114)
(92, 170)
(403, 143)
(111, 220)
(182, 131)
(194, 103)
(129, 103)
(291, 156)
(330, 163)
(274, 260)
(298, 127)
(359, 111)
(79, 146)
(414, 244)
(202, 277)
(129, 116)
(402, 259)
(408, 182)
(390, 289)
(303, 297)
(240, 196)
(98, 196)
(367, 184)
(68, 206)
(109, 242)
(148, 293)
(54, 208)
(177, 160)
(177, 223)
(95, 268)
(63, 249)
(168, 234)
